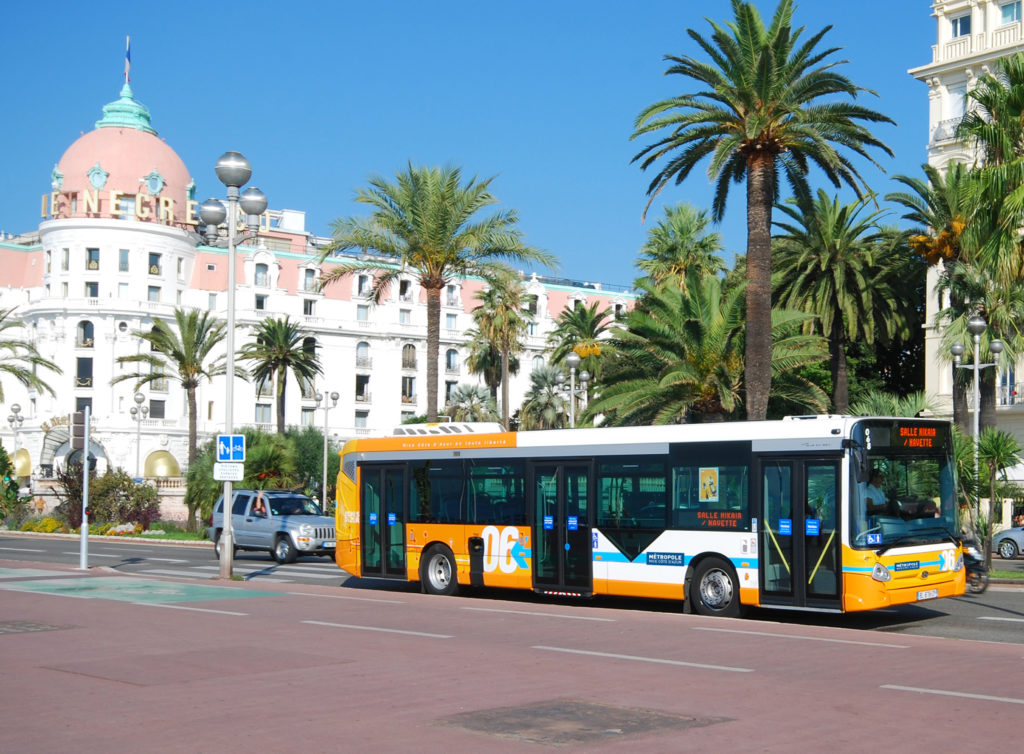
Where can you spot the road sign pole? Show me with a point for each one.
(83, 555)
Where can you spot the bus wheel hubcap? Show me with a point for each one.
(716, 589)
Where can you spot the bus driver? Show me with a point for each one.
(873, 495)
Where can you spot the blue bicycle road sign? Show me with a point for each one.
(230, 448)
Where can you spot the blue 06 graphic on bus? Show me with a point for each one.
(549, 522)
(785, 526)
(373, 519)
(812, 527)
(574, 523)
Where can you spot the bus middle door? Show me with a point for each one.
(382, 516)
(562, 528)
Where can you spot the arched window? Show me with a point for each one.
(451, 360)
(408, 356)
(363, 355)
(309, 346)
(84, 337)
(261, 275)
(538, 362)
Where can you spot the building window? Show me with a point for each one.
(261, 275)
(363, 285)
(408, 416)
(538, 362)
(49, 260)
(405, 316)
(122, 290)
(262, 413)
(177, 298)
(263, 387)
(157, 409)
(154, 264)
(362, 418)
(1010, 12)
(261, 302)
(363, 388)
(84, 338)
(159, 381)
(63, 290)
(408, 390)
(211, 301)
(122, 260)
(362, 312)
(181, 268)
(307, 417)
(307, 306)
(309, 280)
(451, 360)
(92, 290)
(449, 386)
(211, 268)
(408, 356)
(83, 373)
(620, 311)
(961, 26)
(451, 321)
(82, 403)
(65, 259)
(452, 295)
(363, 355)
(404, 290)
(153, 293)
(531, 328)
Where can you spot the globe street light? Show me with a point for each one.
(15, 420)
(976, 325)
(234, 171)
(573, 360)
(327, 407)
(138, 412)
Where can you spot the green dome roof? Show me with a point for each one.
(126, 112)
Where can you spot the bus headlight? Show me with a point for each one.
(880, 573)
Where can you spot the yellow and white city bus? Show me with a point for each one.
(723, 516)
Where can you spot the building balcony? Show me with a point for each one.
(1002, 37)
(362, 397)
(364, 362)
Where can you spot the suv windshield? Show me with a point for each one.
(293, 506)
(903, 492)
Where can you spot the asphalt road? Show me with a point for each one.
(997, 615)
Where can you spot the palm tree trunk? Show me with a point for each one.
(758, 354)
(840, 375)
(433, 345)
(987, 390)
(190, 394)
(282, 377)
(504, 388)
(961, 413)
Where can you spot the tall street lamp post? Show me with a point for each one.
(976, 325)
(234, 171)
(327, 407)
(573, 360)
(138, 412)
(15, 420)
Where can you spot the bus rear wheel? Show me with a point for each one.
(438, 571)
(715, 589)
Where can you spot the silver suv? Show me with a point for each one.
(285, 524)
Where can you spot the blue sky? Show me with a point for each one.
(321, 95)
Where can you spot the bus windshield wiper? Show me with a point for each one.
(916, 534)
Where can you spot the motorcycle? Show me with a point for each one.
(977, 573)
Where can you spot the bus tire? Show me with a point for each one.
(438, 572)
(715, 590)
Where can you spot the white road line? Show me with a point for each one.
(998, 617)
(803, 638)
(22, 549)
(635, 658)
(206, 577)
(91, 554)
(376, 628)
(167, 560)
(192, 609)
(963, 694)
(270, 571)
(543, 615)
(346, 597)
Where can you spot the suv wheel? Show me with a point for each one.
(284, 550)
(217, 547)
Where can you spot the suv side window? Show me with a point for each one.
(240, 504)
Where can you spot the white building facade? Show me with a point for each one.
(118, 247)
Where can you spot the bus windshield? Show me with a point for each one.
(902, 486)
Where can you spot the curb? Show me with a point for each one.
(105, 538)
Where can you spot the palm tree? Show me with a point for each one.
(829, 265)
(19, 358)
(485, 360)
(471, 403)
(998, 450)
(279, 348)
(423, 223)
(679, 244)
(768, 107)
(581, 329)
(503, 320)
(181, 352)
(680, 357)
(544, 406)
(889, 404)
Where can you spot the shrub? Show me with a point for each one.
(114, 498)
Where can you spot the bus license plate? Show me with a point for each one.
(928, 594)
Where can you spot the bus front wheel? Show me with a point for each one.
(715, 589)
(438, 571)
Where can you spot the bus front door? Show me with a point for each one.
(799, 533)
(562, 528)
(382, 517)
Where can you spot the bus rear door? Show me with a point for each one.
(799, 533)
(382, 516)
(562, 527)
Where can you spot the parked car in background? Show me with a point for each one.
(1009, 543)
(285, 524)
